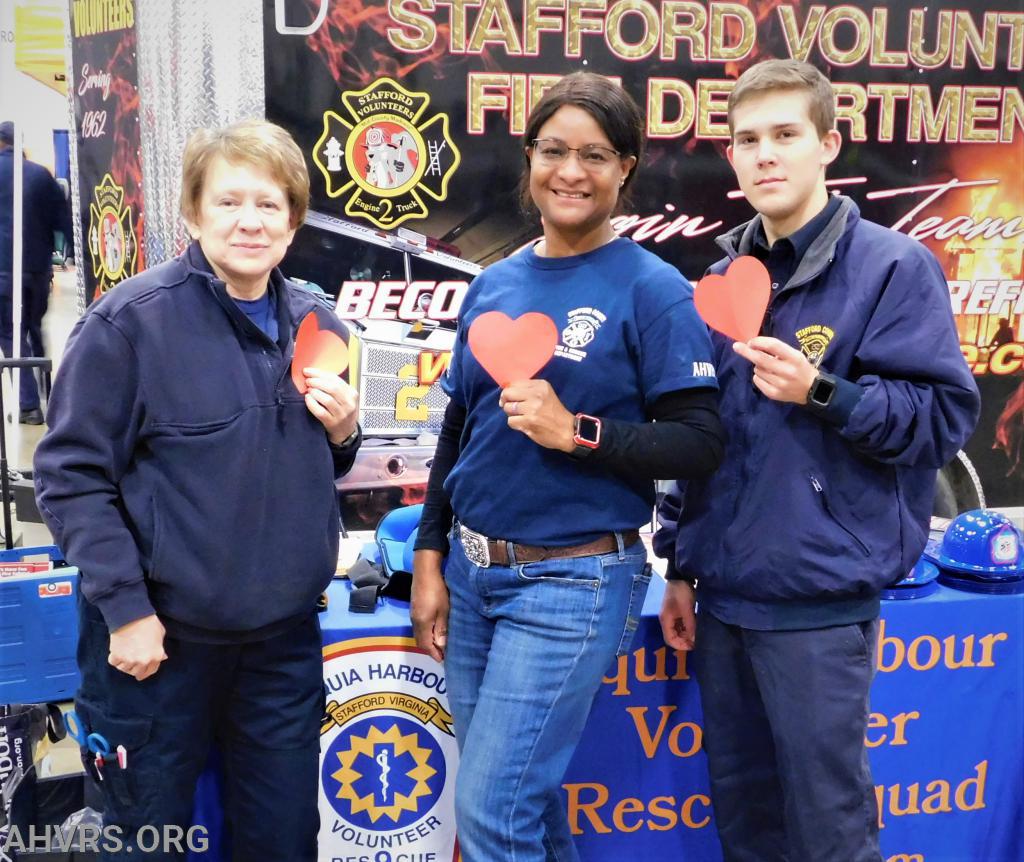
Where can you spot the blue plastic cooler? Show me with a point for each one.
(38, 629)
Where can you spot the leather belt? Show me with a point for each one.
(495, 552)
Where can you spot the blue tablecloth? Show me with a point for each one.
(946, 739)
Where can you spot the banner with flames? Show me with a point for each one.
(106, 100)
(411, 114)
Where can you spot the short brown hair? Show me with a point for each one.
(772, 75)
(257, 143)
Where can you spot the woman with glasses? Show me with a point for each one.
(543, 475)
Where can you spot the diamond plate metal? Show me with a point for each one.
(200, 65)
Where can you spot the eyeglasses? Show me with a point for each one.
(593, 157)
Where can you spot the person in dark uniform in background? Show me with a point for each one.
(45, 211)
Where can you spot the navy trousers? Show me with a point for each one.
(785, 714)
(262, 702)
(35, 299)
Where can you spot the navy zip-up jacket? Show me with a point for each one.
(812, 512)
(182, 472)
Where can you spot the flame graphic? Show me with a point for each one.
(995, 258)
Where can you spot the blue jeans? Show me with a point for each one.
(527, 648)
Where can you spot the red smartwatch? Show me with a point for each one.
(586, 434)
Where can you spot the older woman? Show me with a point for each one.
(547, 479)
(192, 483)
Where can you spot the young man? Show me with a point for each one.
(837, 416)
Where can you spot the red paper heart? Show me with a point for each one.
(511, 350)
(317, 348)
(734, 304)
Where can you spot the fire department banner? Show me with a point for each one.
(106, 100)
(411, 114)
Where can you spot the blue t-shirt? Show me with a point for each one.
(628, 334)
(262, 312)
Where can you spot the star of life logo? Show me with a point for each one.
(388, 754)
(579, 332)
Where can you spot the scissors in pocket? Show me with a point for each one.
(94, 742)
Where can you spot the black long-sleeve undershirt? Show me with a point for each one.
(682, 439)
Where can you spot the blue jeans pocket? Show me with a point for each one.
(572, 571)
(638, 593)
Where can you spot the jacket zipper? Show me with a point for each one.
(820, 491)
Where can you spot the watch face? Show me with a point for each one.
(822, 391)
(588, 429)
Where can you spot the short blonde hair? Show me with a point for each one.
(257, 143)
(774, 75)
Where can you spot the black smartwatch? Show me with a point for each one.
(822, 390)
(586, 434)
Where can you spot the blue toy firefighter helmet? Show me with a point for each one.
(392, 534)
(919, 583)
(981, 543)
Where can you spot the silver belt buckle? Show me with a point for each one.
(475, 546)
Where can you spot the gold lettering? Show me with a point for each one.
(983, 45)
(681, 93)
(617, 42)
(659, 665)
(488, 91)
(943, 39)
(687, 811)
(975, 113)
(888, 94)
(621, 676)
(949, 652)
(934, 652)
(713, 101)
(935, 123)
(667, 812)
(879, 55)
(937, 800)
(494, 25)
(723, 21)
(629, 805)
(799, 42)
(974, 786)
(1015, 22)
(861, 35)
(578, 24)
(1013, 114)
(576, 807)
(674, 30)
(536, 22)
(421, 30)
(987, 645)
(648, 742)
(851, 103)
(457, 23)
